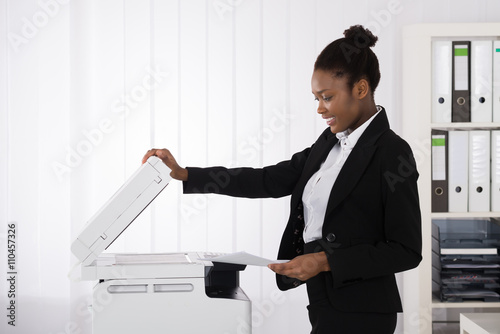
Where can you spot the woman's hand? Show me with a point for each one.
(168, 159)
(303, 267)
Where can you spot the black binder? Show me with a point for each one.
(460, 106)
(439, 170)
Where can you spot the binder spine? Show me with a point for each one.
(479, 171)
(496, 81)
(441, 81)
(439, 194)
(458, 171)
(495, 170)
(461, 82)
(481, 81)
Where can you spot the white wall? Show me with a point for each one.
(87, 86)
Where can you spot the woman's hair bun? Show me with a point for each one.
(360, 36)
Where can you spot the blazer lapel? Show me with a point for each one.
(318, 158)
(358, 161)
(321, 151)
(351, 172)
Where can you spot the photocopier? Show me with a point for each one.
(155, 293)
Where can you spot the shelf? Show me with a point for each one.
(416, 129)
(465, 126)
(450, 30)
(465, 214)
(436, 303)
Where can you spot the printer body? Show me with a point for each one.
(161, 292)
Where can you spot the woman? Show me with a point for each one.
(354, 215)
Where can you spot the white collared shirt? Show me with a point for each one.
(317, 190)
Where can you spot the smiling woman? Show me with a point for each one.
(350, 228)
(238, 94)
(346, 72)
(343, 108)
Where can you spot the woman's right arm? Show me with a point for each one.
(272, 181)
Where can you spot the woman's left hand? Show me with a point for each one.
(302, 267)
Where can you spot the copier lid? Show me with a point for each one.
(121, 210)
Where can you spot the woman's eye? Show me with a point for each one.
(327, 98)
(316, 99)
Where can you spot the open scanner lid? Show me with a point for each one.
(121, 210)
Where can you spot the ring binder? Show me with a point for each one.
(460, 111)
(481, 81)
(439, 171)
(441, 81)
(496, 81)
(479, 171)
(458, 171)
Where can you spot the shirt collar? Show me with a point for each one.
(350, 139)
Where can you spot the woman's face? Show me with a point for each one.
(338, 104)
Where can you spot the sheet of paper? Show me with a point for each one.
(242, 258)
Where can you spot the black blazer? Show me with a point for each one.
(372, 226)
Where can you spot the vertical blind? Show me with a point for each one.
(87, 87)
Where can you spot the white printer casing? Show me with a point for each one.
(155, 293)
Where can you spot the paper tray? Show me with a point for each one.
(459, 295)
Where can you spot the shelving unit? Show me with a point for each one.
(464, 214)
(436, 303)
(416, 129)
(468, 126)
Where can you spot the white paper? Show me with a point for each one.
(242, 258)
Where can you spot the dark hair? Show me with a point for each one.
(351, 57)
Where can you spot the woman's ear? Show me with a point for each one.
(361, 89)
